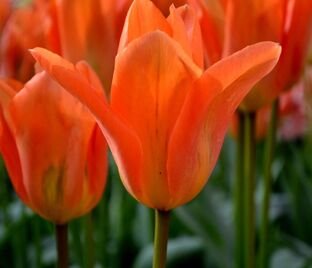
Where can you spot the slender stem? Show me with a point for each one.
(249, 181)
(89, 241)
(62, 245)
(161, 238)
(269, 154)
(239, 195)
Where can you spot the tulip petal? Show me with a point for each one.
(186, 31)
(149, 87)
(143, 17)
(209, 107)
(122, 140)
(7, 143)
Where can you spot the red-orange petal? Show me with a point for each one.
(206, 114)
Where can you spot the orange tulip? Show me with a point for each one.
(53, 150)
(167, 118)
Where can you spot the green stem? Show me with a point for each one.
(269, 154)
(62, 245)
(239, 195)
(161, 238)
(249, 184)
(89, 241)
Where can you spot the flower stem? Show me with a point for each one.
(62, 245)
(161, 238)
(239, 195)
(89, 242)
(269, 154)
(249, 185)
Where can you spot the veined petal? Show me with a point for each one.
(122, 140)
(209, 107)
(143, 17)
(149, 87)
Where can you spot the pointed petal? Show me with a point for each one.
(186, 31)
(149, 88)
(143, 17)
(198, 135)
(122, 141)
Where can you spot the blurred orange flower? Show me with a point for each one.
(167, 118)
(53, 149)
(25, 28)
(233, 24)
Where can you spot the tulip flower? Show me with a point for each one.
(53, 150)
(167, 118)
(145, 138)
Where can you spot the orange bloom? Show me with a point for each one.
(53, 150)
(167, 118)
